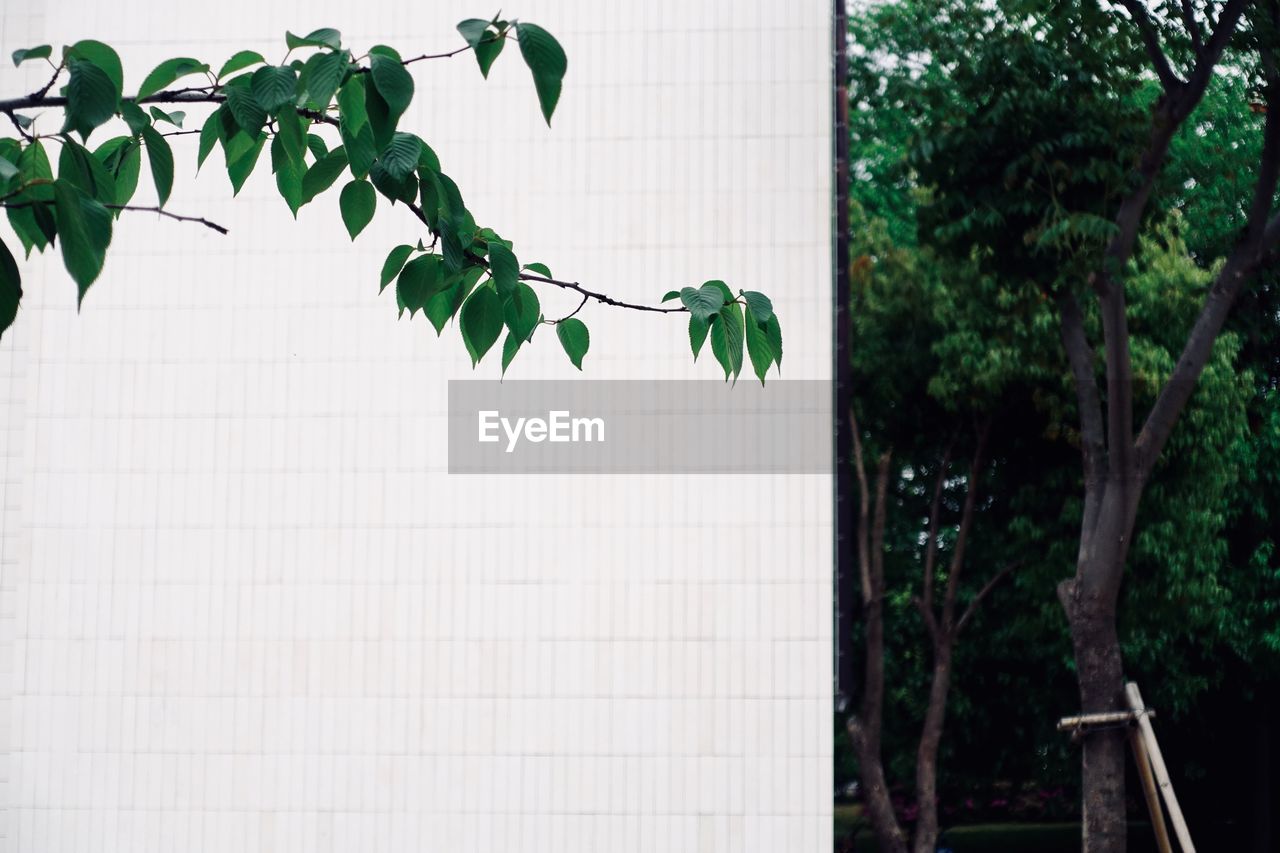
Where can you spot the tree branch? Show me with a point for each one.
(1093, 449)
(931, 544)
(966, 523)
(1261, 235)
(864, 509)
(983, 593)
(134, 209)
(1193, 27)
(1151, 40)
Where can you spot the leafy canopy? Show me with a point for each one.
(322, 112)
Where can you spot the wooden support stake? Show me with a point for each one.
(1148, 736)
(1143, 761)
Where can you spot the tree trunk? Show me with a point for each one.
(926, 833)
(1100, 674)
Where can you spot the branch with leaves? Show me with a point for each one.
(457, 269)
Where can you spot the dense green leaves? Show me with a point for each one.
(546, 61)
(167, 72)
(291, 107)
(358, 202)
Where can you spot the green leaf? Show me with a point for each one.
(240, 170)
(102, 56)
(290, 133)
(481, 322)
(722, 287)
(393, 83)
(289, 172)
(316, 146)
(10, 287)
(698, 328)
(759, 305)
(392, 265)
(539, 268)
(323, 37)
(357, 201)
(504, 268)
(671, 294)
(487, 51)
(240, 60)
(44, 51)
(84, 229)
(323, 173)
(547, 62)
(773, 334)
(361, 152)
(574, 338)
(168, 71)
(91, 97)
(80, 168)
(400, 157)
(704, 302)
(473, 30)
(351, 106)
(510, 347)
(245, 109)
(758, 349)
(420, 279)
(134, 116)
(208, 136)
(174, 118)
(161, 157)
(522, 311)
(384, 50)
(323, 75)
(726, 339)
(127, 172)
(272, 87)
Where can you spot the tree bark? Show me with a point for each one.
(1099, 672)
(926, 832)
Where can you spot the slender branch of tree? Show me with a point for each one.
(44, 90)
(138, 209)
(1151, 40)
(212, 94)
(976, 601)
(22, 131)
(162, 212)
(956, 564)
(571, 313)
(864, 508)
(1261, 235)
(1093, 447)
(931, 535)
(1193, 27)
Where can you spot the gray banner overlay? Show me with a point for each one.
(639, 427)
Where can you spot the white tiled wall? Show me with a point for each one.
(242, 605)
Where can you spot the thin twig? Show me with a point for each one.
(162, 212)
(571, 313)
